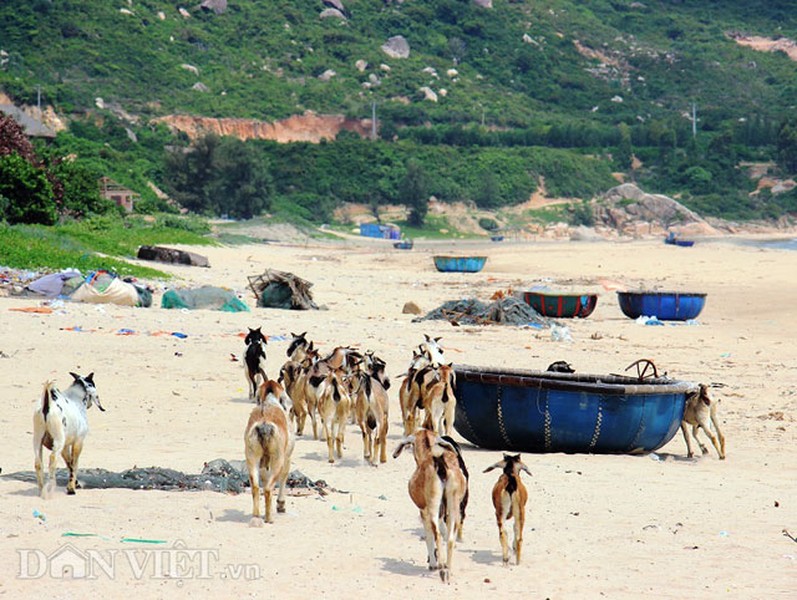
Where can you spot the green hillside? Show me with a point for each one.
(562, 89)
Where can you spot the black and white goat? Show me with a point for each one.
(255, 351)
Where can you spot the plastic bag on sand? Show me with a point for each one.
(560, 333)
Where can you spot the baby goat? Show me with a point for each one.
(60, 424)
(437, 487)
(268, 445)
(509, 500)
(697, 412)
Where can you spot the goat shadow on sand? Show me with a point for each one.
(233, 515)
(403, 567)
(485, 557)
(666, 456)
(243, 400)
(322, 457)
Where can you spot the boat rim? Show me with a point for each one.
(661, 293)
(576, 382)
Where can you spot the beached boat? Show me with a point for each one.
(561, 305)
(462, 264)
(496, 238)
(666, 306)
(674, 241)
(403, 245)
(540, 411)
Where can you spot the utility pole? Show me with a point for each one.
(373, 120)
(694, 120)
(39, 98)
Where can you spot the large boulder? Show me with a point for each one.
(217, 6)
(396, 47)
(629, 209)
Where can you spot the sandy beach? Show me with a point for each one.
(597, 526)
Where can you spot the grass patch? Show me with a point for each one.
(100, 243)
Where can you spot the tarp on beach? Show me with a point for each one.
(102, 287)
(207, 296)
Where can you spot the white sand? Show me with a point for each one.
(597, 526)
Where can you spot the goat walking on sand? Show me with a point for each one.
(509, 501)
(698, 411)
(255, 350)
(334, 407)
(438, 488)
(371, 411)
(268, 443)
(60, 424)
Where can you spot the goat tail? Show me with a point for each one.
(46, 398)
(371, 419)
(264, 432)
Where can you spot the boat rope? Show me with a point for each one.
(633, 445)
(596, 434)
(462, 416)
(501, 425)
(547, 425)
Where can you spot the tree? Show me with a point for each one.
(787, 147)
(241, 186)
(413, 193)
(81, 191)
(189, 174)
(623, 156)
(28, 192)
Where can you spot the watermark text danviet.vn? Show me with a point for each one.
(169, 562)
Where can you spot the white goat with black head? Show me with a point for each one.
(60, 424)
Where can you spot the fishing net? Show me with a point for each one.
(509, 310)
(204, 297)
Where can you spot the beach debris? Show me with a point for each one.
(172, 255)
(560, 333)
(560, 366)
(509, 310)
(280, 289)
(39, 515)
(789, 535)
(207, 296)
(217, 475)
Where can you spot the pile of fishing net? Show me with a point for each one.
(507, 310)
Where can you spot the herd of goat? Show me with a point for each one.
(346, 386)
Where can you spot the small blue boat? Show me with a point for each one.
(667, 306)
(541, 411)
(673, 240)
(496, 238)
(403, 245)
(461, 264)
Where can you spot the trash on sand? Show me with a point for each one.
(207, 296)
(654, 456)
(561, 333)
(141, 541)
(280, 289)
(39, 515)
(180, 335)
(648, 320)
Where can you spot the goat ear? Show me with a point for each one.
(437, 339)
(498, 465)
(526, 469)
(406, 442)
(75, 376)
(90, 378)
(426, 336)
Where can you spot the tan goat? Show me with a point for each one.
(409, 398)
(268, 443)
(439, 400)
(509, 500)
(334, 407)
(697, 412)
(438, 487)
(371, 410)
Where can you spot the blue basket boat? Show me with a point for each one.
(540, 411)
(667, 306)
(461, 264)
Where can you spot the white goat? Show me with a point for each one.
(438, 487)
(509, 501)
(697, 412)
(268, 445)
(60, 424)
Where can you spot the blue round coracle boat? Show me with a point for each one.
(667, 306)
(460, 264)
(540, 411)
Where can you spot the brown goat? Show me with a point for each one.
(371, 410)
(438, 487)
(509, 500)
(698, 411)
(334, 407)
(268, 444)
(439, 400)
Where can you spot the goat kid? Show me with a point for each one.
(255, 350)
(698, 411)
(268, 445)
(509, 500)
(437, 487)
(60, 424)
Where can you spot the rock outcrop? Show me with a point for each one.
(630, 211)
(308, 127)
(396, 47)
